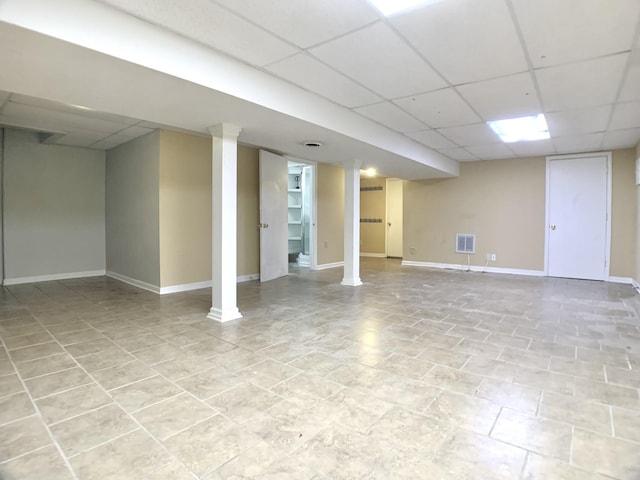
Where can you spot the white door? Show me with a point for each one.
(273, 216)
(394, 218)
(578, 206)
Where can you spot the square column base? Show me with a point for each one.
(223, 316)
(351, 282)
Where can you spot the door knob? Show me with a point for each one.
(553, 227)
(389, 223)
(263, 225)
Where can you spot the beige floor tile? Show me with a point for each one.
(607, 393)
(173, 415)
(22, 436)
(10, 384)
(158, 354)
(509, 341)
(70, 403)
(109, 358)
(305, 385)
(586, 414)
(626, 424)
(124, 458)
(545, 380)
(516, 397)
(210, 444)
(244, 402)
(544, 468)
(13, 343)
(471, 455)
(88, 430)
(78, 336)
(43, 366)
(90, 347)
(209, 348)
(268, 373)
(488, 367)
(144, 393)
(446, 357)
(183, 366)
(14, 407)
(472, 413)
(553, 349)
(357, 410)
(139, 342)
(542, 436)
(209, 382)
(623, 377)
(606, 455)
(453, 379)
(171, 471)
(57, 382)
(44, 463)
(578, 368)
(119, 376)
(525, 358)
(34, 352)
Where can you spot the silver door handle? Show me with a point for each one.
(553, 227)
(263, 225)
(389, 223)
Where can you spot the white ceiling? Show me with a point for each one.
(434, 75)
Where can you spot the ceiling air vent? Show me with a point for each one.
(465, 243)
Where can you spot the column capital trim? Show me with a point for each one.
(225, 130)
(353, 163)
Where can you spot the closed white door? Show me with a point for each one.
(394, 218)
(578, 199)
(273, 216)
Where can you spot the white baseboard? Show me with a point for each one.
(475, 268)
(636, 285)
(324, 266)
(625, 280)
(248, 278)
(132, 281)
(375, 255)
(185, 287)
(53, 277)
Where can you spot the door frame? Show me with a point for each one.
(313, 230)
(549, 159)
(386, 214)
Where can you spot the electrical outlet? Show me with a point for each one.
(412, 250)
(493, 257)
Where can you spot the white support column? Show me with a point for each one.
(224, 193)
(352, 225)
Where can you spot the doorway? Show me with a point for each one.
(301, 213)
(578, 210)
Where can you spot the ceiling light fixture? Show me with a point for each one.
(391, 7)
(370, 172)
(521, 129)
(312, 144)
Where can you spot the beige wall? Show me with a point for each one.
(373, 205)
(623, 214)
(54, 208)
(500, 201)
(637, 202)
(132, 209)
(185, 208)
(330, 211)
(503, 203)
(248, 211)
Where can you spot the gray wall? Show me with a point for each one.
(132, 209)
(54, 208)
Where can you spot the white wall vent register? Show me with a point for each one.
(465, 243)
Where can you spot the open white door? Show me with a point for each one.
(394, 218)
(273, 216)
(578, 209)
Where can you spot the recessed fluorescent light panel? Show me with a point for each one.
(521, 129)
(391, 7)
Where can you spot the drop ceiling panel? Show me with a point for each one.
(465, 40)
(626, 115)
(373, 57)
(4, 96)
(631, 85)
(135, 131)
(213, 25)
(490, 152)
(628, 138)
(313, 75)
(442, 108)
(583, 84)
(459, 154)
(391, 116)
(572, 122)
(579, 144)
(534, 148)
(432, 139)
(563, 31)
(305, 22)
(468, 135)
(506, 97)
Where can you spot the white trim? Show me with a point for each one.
(185, 287)
(54, 276)
(635, 284)
(625, 280)
(376, 255)
(474, 268)
(132, 281)
(607, 246)
(324, 266)
(248, 278)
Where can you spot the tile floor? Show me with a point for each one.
(418, 374)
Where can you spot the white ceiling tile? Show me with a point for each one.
(490, 152)
(306, 22)
(465, 40)
(391, 116)
(373, 57)
(579, 143)
(442, 108)
(625, 115)
(459, 154)
(4, 96)
(533, 148)
(579, 85)
(572, 122)
(556, 31)
(309, 73)
(135, 131)
(213, 25)
(506, 97)
(432, 139)
(79, 139)
(111, 141)
(467, 135)
(631, 85)
(621, 138)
